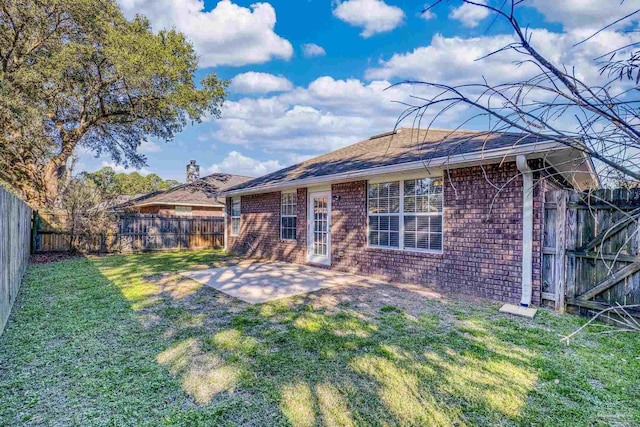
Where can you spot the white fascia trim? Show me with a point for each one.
(179, 204)
(497, 153)
(527, 229)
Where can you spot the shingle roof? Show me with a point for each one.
(406, 145)
(202, 192)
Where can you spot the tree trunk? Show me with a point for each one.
(53, 173)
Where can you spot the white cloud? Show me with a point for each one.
(454, 60)
(149, 147)
(238, 164)
(311, 49)
(470, 15)
(253, 82)
(226, 35)
(330, 113)
(586, 14)
(122, 169)
(428, 15)
(374, 16)
(325, 115)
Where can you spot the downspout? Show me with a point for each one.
(227, 203)
(527, 229)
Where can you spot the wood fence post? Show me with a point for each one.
(570, 245)
(34, 231)
(559, 258)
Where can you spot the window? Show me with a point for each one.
(384, 214)
(423, 214)
(183, 210)
(288, 216)
(406, 214)
(235, 216)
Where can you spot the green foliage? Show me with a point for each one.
(77, 73)
(111, 184)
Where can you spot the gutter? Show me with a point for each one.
(479, 156)
(202, 205)
(527, 229)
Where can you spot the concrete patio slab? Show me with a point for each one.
(261, 282)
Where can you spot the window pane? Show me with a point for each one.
(384, 190)
(394, 239)
(435, 203)
(436, 241)
(384, 222)
(409, 204)
(384, 197)
(373, 191)
(383, 205)
(373, 223)
(384, 238)
(235, 207)
(422, 204)
(422, 223)
(394, 223)
(423, 241)
(436, 186)
(373, 238)
(410, 187)
(436, 224)
(410, 240)
(410, 223)
(394, 189)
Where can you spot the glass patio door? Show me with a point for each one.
(319, 250)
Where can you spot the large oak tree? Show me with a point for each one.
(78, 73)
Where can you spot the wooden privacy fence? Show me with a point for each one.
(51, 233)
(157, 233)
(15, 227)
(591, 249)
(131, 233)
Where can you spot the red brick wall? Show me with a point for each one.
(197, 211)
(482, 235)
(260, 228)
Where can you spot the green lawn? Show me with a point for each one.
(121, 340)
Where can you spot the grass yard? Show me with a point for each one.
(122, 340)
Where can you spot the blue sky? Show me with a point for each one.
(285, 105)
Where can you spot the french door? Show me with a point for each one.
(319, 225)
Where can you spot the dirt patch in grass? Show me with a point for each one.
(53, 257)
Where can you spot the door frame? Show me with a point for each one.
(317, 259)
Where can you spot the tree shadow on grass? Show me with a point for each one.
(115, 341)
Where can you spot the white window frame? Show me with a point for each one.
(283, 215)
(401, 216)
(238, 217)
(387, 214)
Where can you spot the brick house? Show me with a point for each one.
(455, 210)
(198, 197)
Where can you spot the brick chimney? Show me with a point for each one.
(193, 172)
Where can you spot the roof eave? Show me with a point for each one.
(479, 157)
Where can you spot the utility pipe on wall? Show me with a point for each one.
(527, 229)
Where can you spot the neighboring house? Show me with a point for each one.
(457, 210)
(198, 197)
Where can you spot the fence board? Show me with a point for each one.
(602, 247)
(134, 233)
(15, 237)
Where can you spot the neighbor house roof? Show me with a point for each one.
(405, 149)
(203, 192)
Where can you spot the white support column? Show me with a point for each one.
(527, 229)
